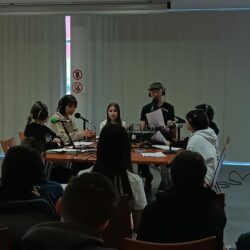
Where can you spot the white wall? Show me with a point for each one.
(202, 56)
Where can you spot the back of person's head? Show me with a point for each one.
(208, 109)
(35, 145)
(114, 155)
(39, 111)
(64, 101)
(113, 147)
(188, 170)
(89, 199)
(22, 168)
(197, 119)
(117, 108)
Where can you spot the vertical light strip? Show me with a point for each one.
(68, 54)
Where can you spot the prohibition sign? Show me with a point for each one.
(77, 87)
(77, 74)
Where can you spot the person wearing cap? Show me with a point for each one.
(156, 91)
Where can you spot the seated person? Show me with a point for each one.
(87, 204)
(203, 140)
(65, 110)
(210, 114)
(35, 127)
(114, 161)
(113, 116)
(22, 171)
(243, 242)
(53, 189)
(188, 210)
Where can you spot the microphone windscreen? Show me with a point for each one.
(77, 115)
(53, 120)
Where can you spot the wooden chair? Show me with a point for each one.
(215, 184)
(6, 144)
(203, 244)
(119, 225)
(4, 239)
(21, 136)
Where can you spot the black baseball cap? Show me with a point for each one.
(155, 85)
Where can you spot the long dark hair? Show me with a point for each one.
(114, 157)
(22, 168)
(118, 119)
(64, 101)
(198, 119)
(38, 111)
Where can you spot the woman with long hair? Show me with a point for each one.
(113, 116)
(114, 161)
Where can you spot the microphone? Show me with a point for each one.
(180, 120)
(154, 104)
(56, 120)
(78, 115)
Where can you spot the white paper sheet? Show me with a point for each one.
(155, 118)
(155, 154)
(165, 147)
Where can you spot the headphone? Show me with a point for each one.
(43, 112)
(62, 102)
(156, 85)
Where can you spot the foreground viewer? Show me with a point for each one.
(87, 204)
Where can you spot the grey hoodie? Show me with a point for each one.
(62, 236)
(205, 142)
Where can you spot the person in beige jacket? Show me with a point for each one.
(65, 110)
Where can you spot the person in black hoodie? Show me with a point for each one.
(35, 127)
(87, 204)
(188, 210)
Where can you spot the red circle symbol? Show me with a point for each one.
(77, 74)
(77, 87)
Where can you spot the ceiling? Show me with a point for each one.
(74, 6)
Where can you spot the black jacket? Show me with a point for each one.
(62, 236)
(42, 133)
(179, 216)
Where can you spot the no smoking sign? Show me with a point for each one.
(77, 87)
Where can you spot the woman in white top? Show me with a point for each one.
(203, 140)
(113, 116)
(114, 161)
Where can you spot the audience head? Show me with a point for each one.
(188, 170)
(39, 112)
(35, 145)
(113, 148)
(89, 199)
(113, 114)
(114, 156)
(197, 120)
(22, 168)
(67, 105)
(208, 109)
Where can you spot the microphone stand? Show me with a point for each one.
(84, 124)
(170, 151)
(70, 139)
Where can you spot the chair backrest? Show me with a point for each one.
(4, 239)
(119, 225)
(220, 162)
(6, 144)
(19, 216)
(21, 136)
(208, 243)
